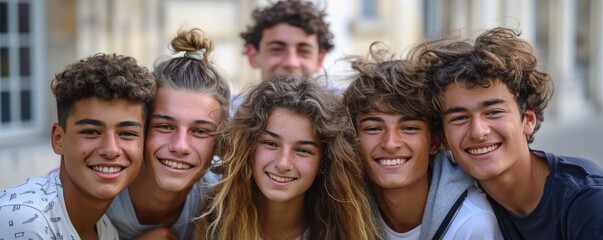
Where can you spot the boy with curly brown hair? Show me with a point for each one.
(101, 108)
(491, 96)
(289, 37)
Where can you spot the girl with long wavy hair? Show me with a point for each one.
(290, 169)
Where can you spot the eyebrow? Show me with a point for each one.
(371, 119)
(378, 119)
(303, 142)
(164, 117)
(282, 43)
(95, 122)
(204, 122)
(172, 119)
(483, 104)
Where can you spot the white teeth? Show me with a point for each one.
(175, 165)
(108, 170)
(392, 162)
(479, 151)
(280, 179)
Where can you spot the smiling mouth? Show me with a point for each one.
(280, 179)
(484, 150)
(176, 165)
(392, 162)
(107, 170)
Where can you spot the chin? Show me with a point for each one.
(107, 194)
(174, 186)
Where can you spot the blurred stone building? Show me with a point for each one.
(38, 38)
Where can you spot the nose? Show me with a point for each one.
(291, 59)
(180, 143)
(479, 128)
(392, 141)
(110, 148)
(285, 162)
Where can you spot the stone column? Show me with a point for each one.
(91, 17)
(568, 101)
(596, 55)
(484, 14)
(459, 12)
(520, 14)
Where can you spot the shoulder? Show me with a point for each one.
(571, 166)
(121, 207)
(26, 222)
(582, 215)
(573, 179)
(37, 193)
(35, 209)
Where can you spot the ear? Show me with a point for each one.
(252, 54)
(436, 143)
(321, 57)
(56, 138)
(529, 122)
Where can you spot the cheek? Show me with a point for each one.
(452, 136)
(367, 143)
(136, 149)
(259, 158)
(205, 147)
(311, 166)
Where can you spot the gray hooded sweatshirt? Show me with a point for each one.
(448, 183)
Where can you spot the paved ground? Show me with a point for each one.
(579, 137)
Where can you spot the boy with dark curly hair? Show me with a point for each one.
(101, 107)
(416, 192)
(289, 37)
(491, 97)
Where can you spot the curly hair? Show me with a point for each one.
(386, 84)
(336, 204)
(297, 13)
(191, 73)
(496, 55)
(104, 76)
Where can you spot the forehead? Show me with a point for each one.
(284, 33)
(461, 93)
(116, 110)
(287, 122)
(186, 104)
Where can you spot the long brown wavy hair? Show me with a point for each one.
(336, 203)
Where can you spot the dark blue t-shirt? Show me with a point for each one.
(571, 206)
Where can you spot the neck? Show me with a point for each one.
(402, 208)
(282, 220)
(154, 205)
(84, 222)
(520, 187)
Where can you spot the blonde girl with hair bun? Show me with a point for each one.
(192, 101)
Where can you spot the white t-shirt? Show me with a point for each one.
(474, 220)
(36, 209)
(122, 214)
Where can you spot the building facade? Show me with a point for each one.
(38, 38)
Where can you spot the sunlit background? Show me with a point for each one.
(38, 38)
